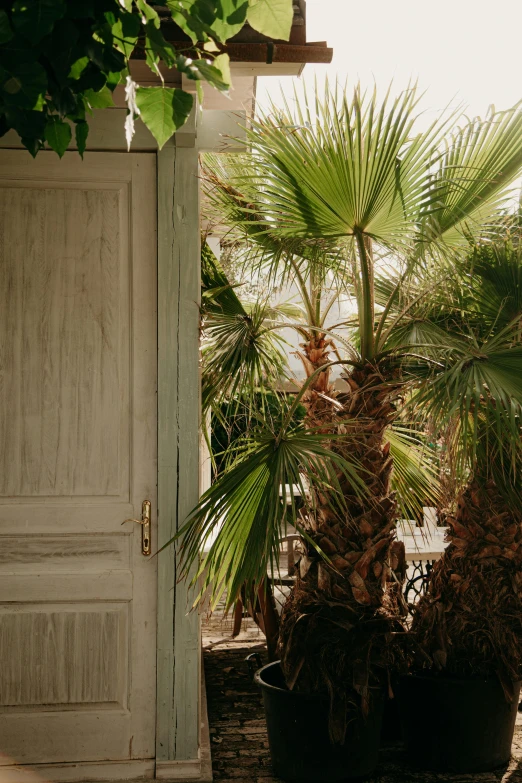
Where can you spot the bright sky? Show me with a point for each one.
(469, 50)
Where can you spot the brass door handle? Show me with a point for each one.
(145, 526)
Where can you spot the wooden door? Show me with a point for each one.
(77, 457)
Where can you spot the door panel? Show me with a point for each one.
(78, 456)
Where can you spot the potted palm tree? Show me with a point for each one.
(469, 624)
(349, 186)
(236, 417)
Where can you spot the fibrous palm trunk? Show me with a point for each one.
(337, 624)
(470, 621)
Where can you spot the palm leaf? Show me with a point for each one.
(469, 187)
(415, 477)
(241, 518)
(218, 295)
(497, 283)
(240, 350)
(335, 168)
(476, 383)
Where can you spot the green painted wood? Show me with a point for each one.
(178, 446)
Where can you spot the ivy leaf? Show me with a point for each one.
(126, 32)
(28, 124)
(122, 40)
(100, 99)
(91, 78)
(64, 101)
(115, 78)
(25, 85)
(195, 17)
(187, 66)
(163, 110)
(272, 18)
(81, 131)
(78, 67)
(230, 17)
(34, 19)
(78, 115)
(148, 13)
(131, 25)
(31, 144)
(106, 57)
(163, 49)
(213, 75)
(222, 63)
(5, 28)
(58, 134)
(60, 49)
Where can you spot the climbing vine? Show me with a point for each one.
(61, 59)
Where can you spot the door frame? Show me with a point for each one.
(180, 748)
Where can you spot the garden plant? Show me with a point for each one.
(61, 59)
(391, 208)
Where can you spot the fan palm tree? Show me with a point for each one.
(470, 621)
(349, 186)
(229, 337)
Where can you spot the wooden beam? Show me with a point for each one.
(267, 52)
(178, 447)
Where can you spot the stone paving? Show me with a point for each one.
(237, 728)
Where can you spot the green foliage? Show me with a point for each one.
(233, 422)
(57, 134)
(415, 477)
(247, 413)
(60, 60)
(246, 507)
(402, 220)
(353, 180)
(241, 350)
(163, 110)
(271, 17)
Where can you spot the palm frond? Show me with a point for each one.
(240, 350)
(477, 383)
(238, 202)
(333, 168)
(415, 476)
(241, 518)
(497, 283)
(241, 353)
(217, 293)
(469, 187)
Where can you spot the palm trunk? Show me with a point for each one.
(470, 621)
(336, 626)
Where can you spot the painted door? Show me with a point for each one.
(77, 456)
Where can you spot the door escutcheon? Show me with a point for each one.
(145, 526)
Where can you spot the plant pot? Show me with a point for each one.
(297, 726)
(391, 731)
(457, 725)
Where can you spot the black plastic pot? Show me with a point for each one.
(391, 731)
(457, 725)
(297, 725)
